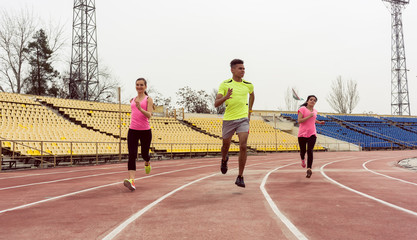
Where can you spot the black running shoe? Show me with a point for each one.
(223, 166)
(240, 182)
(309, 172)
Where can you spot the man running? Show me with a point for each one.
(234, 93)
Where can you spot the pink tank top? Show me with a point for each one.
(307, 128)
(138, 121)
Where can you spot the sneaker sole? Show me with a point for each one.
(240, 184)
(223, 169)
(129, 186)
(309, 172)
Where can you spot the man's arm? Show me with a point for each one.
(220, 99)
(251, 101)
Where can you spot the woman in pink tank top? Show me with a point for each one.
(141, 106)
(307, 119)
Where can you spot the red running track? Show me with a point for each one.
(351, 195)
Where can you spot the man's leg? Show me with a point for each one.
(227, 133)
(243, 139)
(225, 147)
(225, 152)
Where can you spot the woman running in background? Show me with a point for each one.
(307, 119)
(142, 106)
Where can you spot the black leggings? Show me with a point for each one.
(309, 143)
(133, 136)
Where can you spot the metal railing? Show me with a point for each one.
(14, 144)
(76, 151)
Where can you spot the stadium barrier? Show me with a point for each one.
(40, 154)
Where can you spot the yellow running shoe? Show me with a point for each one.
(148, 168)
(130, 183)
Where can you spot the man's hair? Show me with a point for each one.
(235, 62)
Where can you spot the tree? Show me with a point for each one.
(56, 40)
(63, 83)
(107, 87)
(344, 96)
(291, 101)
(16, 31)
(193, 101)
(220, 109)
(158, 99)
(106, 90)
(352, 95)
(41, 80)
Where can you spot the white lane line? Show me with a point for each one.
(364, 194)
(68, 179)
(135, 216)
(59, 180)
(120, 165)
(364, 166)
(274, 207)
(49, 173)
(95, 188)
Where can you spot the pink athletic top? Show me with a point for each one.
(307, 128)
(138, 121)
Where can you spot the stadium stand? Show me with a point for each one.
(406, 123)
(368, 131)
(36, 129)
(169, 135)
(263, 137)
(381, 129)
(31, 129)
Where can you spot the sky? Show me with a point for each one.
(302, 44)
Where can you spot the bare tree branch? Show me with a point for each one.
(343, 97)
(56, 39)
(158, 99)
(4, 71)
(220, 109)
(290, 102)
(352, 95)
(16, 29)
(107, 88)
(193, 101)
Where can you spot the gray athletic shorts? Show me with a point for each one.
(232, 126)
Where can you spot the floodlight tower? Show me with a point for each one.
(400, 104)
(84, 78)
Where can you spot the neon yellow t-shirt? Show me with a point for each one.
(236, 106)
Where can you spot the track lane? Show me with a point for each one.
(213, 208)
(88, 214)
(388, 191)
(51, 192)
(93, 214)
(322, 210)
